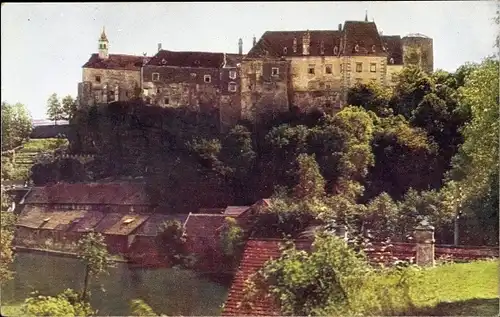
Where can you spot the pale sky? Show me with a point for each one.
(44, 45)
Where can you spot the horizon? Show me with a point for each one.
(65, 35)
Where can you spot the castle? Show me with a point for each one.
(310, 69)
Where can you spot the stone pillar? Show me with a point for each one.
(424, 237)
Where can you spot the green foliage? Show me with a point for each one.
(138, 307)
(311, 185)
(6, 238)
(54, 108)
(237, 151)
(172, 244)
(64, 304)
(231, 238)
(16, 125)
(412, 86)
(380, 219)
(371, 97)
(68, 108)
(93, 253)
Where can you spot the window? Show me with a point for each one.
(322, 48)
(328, 69)
(285, 50)
(335, 50)
(97, 79)
(156, 76)
(232, 74)
(166, 101)
(359, 67)
(341, 67)
(207, 79)
(311, 70)
(391, 61)
(232, 87)
(373, 67)
(111, 95)
(373, 48)
(163, 61)
(158, 90)
(193, 75)
(356, 48)
(275, 71)
(295, 45)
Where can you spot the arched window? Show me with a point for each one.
(335, 50)
(285, 50)
(391, 61)
(356, 48)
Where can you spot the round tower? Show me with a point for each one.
(418, 48)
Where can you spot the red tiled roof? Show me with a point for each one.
(187, 59)
(89, 193)
(115, 61)
(256, 254)
(203, 225)
(232, 60)
(394, 46)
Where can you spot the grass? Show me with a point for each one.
(461, 289)
(11, 310)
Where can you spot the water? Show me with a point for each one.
(167, 291)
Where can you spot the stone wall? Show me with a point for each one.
(107, 85)
(264, 88)
(195, 88)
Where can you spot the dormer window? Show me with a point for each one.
(391, 61)
(295, 45)
(156, 76)
(356, 48)
(163, 61)
(275, 71)
(285, 50)
(322, 48)
(197, 63)
(232, 74)
(207, 79)
(232, 87)
(335, 50)
(373, 48)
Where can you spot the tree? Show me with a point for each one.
(413, 84)
(65, 304)
(6, 237)
(16, 125)
(138, 307)
(93, 253)
(68, 108)
(54, 108)
(371, 97)
(311, 184)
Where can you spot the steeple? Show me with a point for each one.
(103, 45)
(366, 16)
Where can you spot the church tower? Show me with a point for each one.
(103, 45)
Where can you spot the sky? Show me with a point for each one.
(44, 45)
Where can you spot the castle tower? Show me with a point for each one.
(103, 45)
(418, 49)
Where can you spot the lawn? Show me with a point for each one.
(461, 289)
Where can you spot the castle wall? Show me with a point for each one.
(230, 101)
(182, 86)
(114, 85)
(263, 93)
(423, 47)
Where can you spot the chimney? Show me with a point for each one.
(240, 46)
(159, 47)
(340, 26)
(254, 41)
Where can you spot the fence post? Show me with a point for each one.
(424, 237)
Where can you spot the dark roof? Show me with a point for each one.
(394, 46)
(232, 60)
(120, 224)
(204, 225)
(120, 193)
(187, 59)
(88, 221)
(235, 210)
(274, 42)
(115, 61)
(256, 254)
(35, 217)
(152, 226)
(363, 34)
